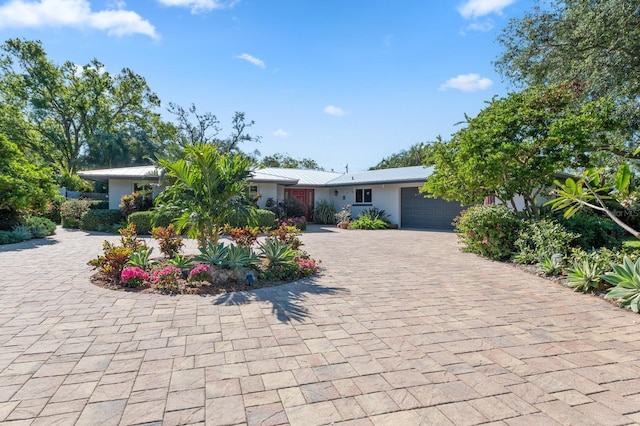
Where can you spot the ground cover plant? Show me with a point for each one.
(241, 262)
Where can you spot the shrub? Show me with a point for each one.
(626, 281)
(40, 226)
(21, 233)
(286, 234)
(551, 265)
(71, 212)
(200, 273)
(290, 207)
(98, 204)
(264, 219)
(142, 259)
(129, 238)
(212, 254)
(540, 239)
(8, 237)
(52, 211)
(307, 266)
(488, 231)
(375, 213)
(142, 221)
(240, 257)
(324, 213)
(280, 260)
(169, 242)
(162, 217)
(135, 202)
(245, 236)
(367, 222)
(100, 220)
(584, 276)
(113, 260)
(167, 276)
(595, 231)
(133, 277)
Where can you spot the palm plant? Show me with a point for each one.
(208, 188)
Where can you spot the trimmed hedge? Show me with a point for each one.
(100, 220)
(263, 218)
(142, 221)
(71, 212)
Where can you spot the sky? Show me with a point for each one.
(343, 82)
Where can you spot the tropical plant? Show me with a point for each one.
(71, 212)
(113, 260)
(167, 276)
(212, 254)
(584, 276)
(489, 231)
(277, 253)
(133, 276)
(368, 222)
(540, 239)
(142, 259)
(240, 257)
(625, 279)
(200, 273)
(287, 234)
(40, 226)
(169, 241)
(245, 236)
(344, 215)
(208, 188)
(324, 213)
(129, 238)
(179, 261)
(376, 213)
(551, 265)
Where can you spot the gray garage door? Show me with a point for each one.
(429, 213)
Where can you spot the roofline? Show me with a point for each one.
(375, 182)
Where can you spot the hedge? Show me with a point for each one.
(100, 220)
(142, 221)
(264, 219)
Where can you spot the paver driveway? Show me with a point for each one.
(401, 329)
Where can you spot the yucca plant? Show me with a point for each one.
(626, 281)
(142, 259)
(212, 254)
(240, 256)
(324, 213)
(584, 276)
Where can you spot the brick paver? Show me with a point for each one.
(401, 328)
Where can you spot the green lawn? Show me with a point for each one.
(632, 243)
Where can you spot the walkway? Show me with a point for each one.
(401, 329)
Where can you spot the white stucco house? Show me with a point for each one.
(394, 190)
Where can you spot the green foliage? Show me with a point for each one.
(540, 239)
(25, 187)
(584, 276)
(551, 265)
(40, 226)
(71, 212)
(416, 155)
(208, 188)
(100, 220)
(367, 222)
(625, 279)
(163, 217)
(129, 238)
(595, 231)
(142, 259)
(241, 257)
(489, 231)
(375, 213)
(262, 218)
(169, 241)
(135, 202)
(181, 262)
(514, 146)
(212, 254)
(245, 236)
(142, 221)
(113, 260)
(287, 234)
(324, 212)
(287, 162)
(8, 237)
(98, 204)
(21, 232)
(280, 259)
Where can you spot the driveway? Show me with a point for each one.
(401, 329)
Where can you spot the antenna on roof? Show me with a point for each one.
(346, 168)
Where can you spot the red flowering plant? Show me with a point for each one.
(307, 266)
(133, 277)
(200, 273)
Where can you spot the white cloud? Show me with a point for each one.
(484, 26)
(72, 13)
(467, 83)
(255, 61)
(280, 133)
(198, 6)
(476, 8)
(335, 111)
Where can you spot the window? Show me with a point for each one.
(253, 190)
(363, 195)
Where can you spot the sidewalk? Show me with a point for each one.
(401, 329)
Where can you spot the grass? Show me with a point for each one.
(632, 243)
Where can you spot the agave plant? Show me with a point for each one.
(277, 253)
(179, 261)
(212, 254)
(584, 276)
(626, 281)
(551, 265)
(240, 256)
(142, 259)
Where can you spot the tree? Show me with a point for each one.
(195, 128)
(70, 108)
(209, 187)
(25, 188)
(515, 145)
(416, 155)
(287, 162)
(593, 43)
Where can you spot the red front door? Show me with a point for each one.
(305, 196)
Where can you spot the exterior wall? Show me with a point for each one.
(117, 189)
(266, 191)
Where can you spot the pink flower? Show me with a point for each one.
(485, 240)
(133, 276)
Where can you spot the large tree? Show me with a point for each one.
(69, 107)
(593, 43)
(416, 155)
(288, 162)
(514, 146)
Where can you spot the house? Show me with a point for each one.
(394, 190)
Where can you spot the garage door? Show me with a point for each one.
(429, 213)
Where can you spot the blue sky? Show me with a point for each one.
(339, 81)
